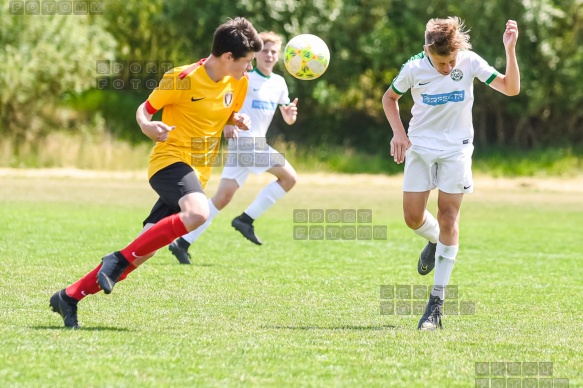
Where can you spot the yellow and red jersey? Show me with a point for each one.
(199, 108)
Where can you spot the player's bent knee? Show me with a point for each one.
(413, 221)
(414, 225)
(193, 220)
(292, 180)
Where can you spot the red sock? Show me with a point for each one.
(161, 234)
(125, 273)
(88, 285)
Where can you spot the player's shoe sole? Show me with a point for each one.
(179, 252)
(112, 266)
(426, 261)
(431, 319)
(246, 229)
(66, 307)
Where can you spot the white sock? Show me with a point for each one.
(444, 261)
(192, 236)
(265, 199)
(430, 229)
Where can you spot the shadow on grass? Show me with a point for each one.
(345, 327)
(183, 265)
(83, 328)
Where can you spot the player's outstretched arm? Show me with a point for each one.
(509, 83)
(155, 130)
(290, 112)
(400, 142)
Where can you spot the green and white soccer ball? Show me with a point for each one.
(306, 57)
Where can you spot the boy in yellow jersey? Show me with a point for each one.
(198, 101)
(267, 93)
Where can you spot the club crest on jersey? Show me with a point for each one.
(457, 75)
(228, 99)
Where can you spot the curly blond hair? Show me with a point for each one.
(444, 36)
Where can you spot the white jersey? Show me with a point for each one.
(264, 95)
(442, 109)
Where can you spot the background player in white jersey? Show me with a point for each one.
(267, 91)
(437, 149)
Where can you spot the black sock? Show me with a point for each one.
(245, 218)
(121, 259)
(182, 243)
(68, 298)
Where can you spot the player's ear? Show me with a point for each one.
(228, 56)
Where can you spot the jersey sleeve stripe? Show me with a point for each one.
(396, 91)
(191, 68)
(151, 110)
(492, 78)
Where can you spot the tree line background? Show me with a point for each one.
(49, 74)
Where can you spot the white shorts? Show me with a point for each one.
(239, 163)
(450, 170)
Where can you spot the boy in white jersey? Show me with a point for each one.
(437, 149)
(249, 152)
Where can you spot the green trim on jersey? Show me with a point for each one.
(256, 70)
(429, 59)
(492, 78)
(421, 55)
(396, 91)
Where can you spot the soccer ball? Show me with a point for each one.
(306, 57)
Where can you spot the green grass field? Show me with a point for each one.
(290, 313)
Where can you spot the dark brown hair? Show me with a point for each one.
(237, 36)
